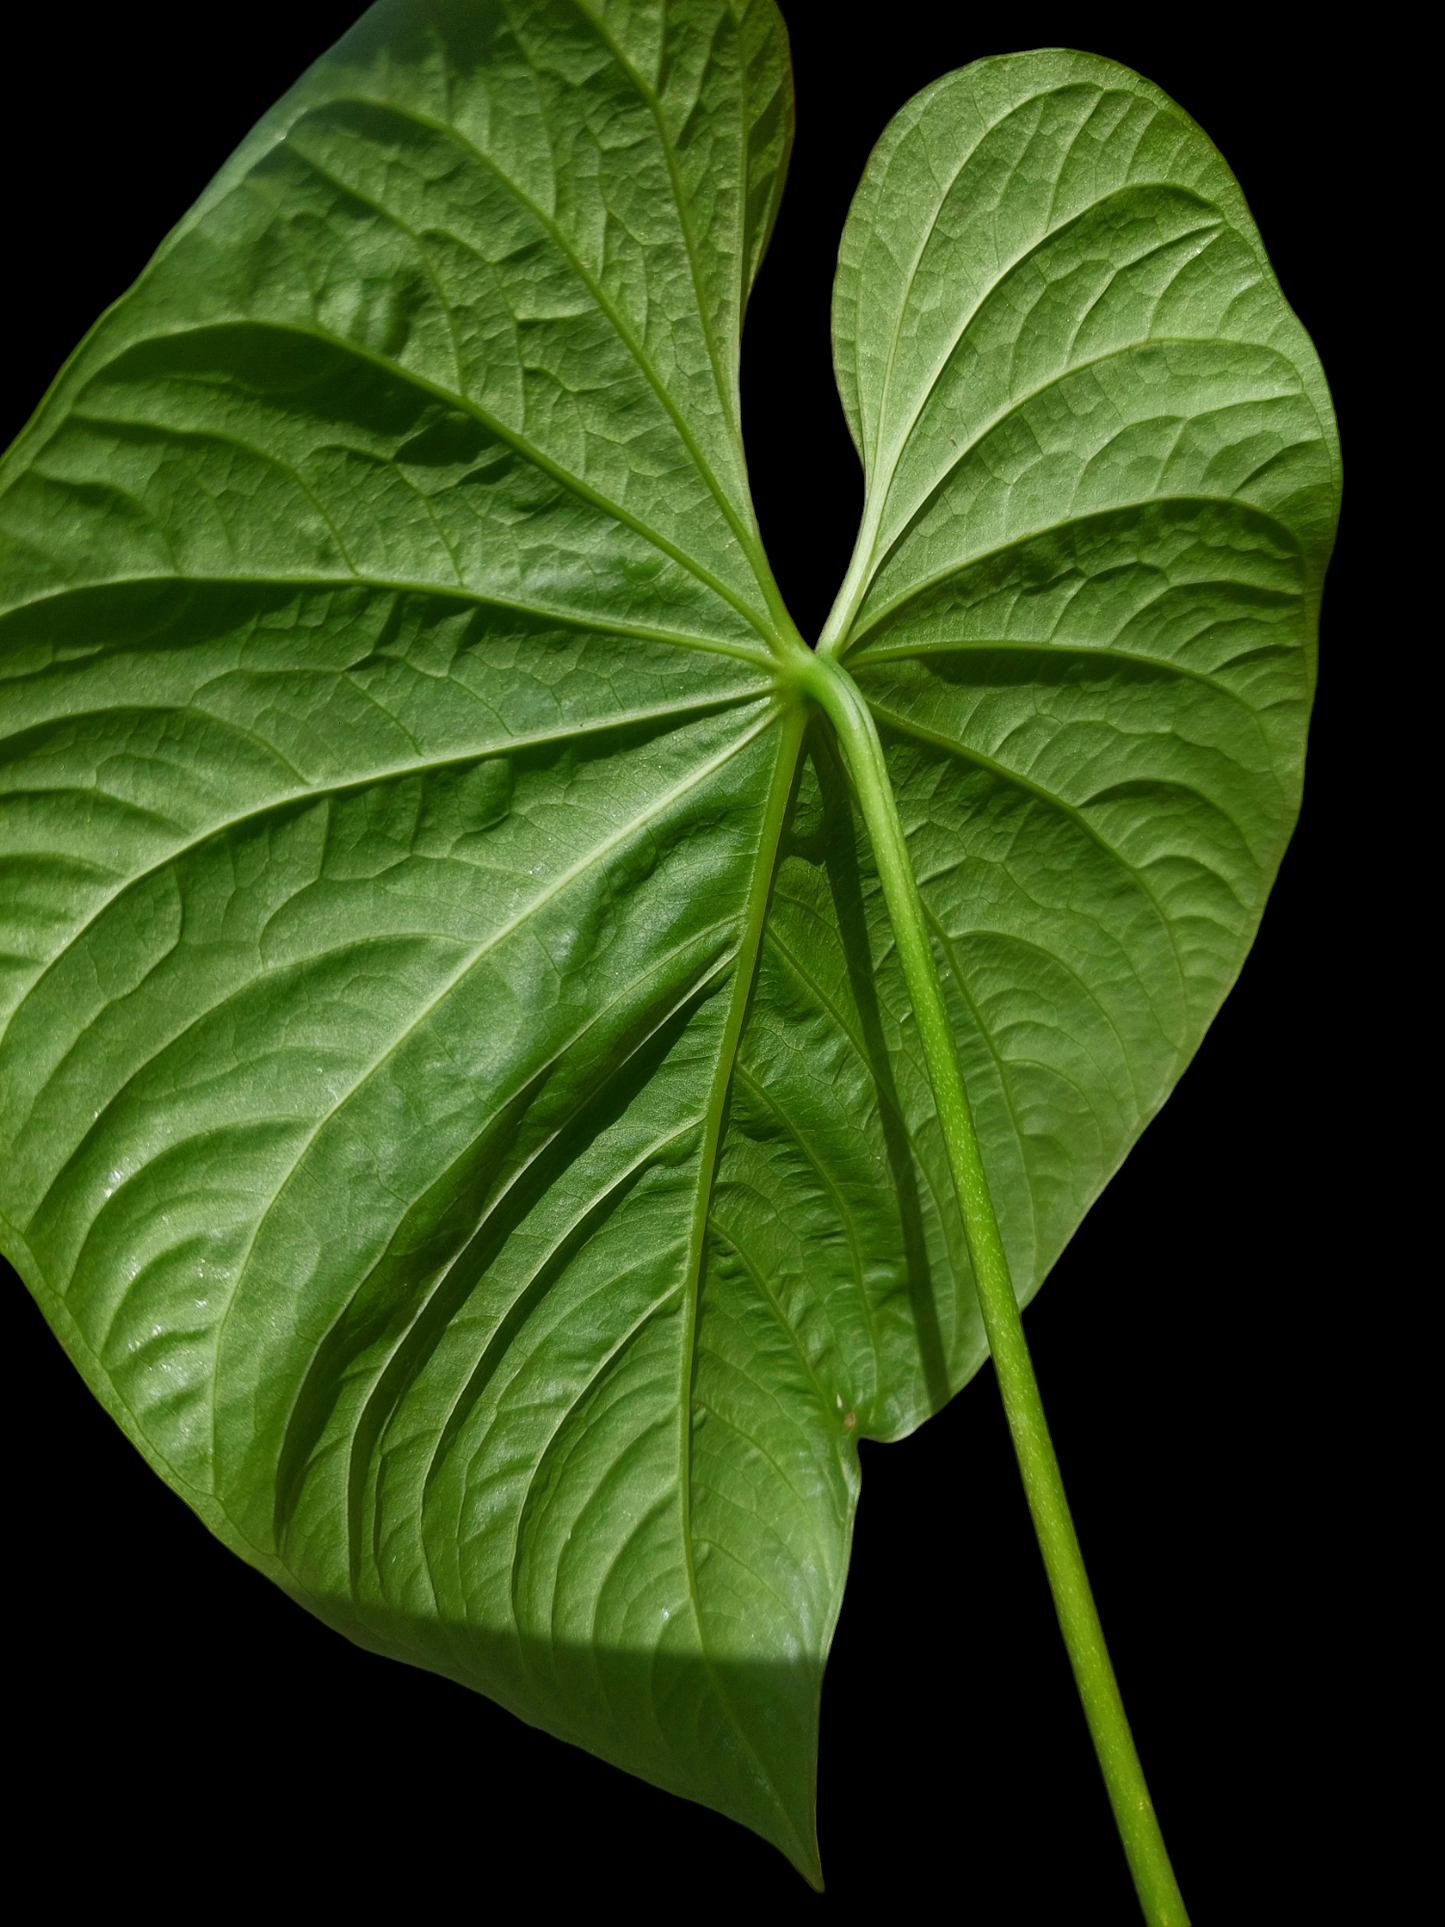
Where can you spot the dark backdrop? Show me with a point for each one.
(1196, 1344)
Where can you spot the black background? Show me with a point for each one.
(185, 1731)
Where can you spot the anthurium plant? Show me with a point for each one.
(515, 1058)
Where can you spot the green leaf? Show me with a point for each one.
(460, 1109)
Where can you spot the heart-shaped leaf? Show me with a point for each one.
(461, 1110)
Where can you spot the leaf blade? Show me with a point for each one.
(397, 761)
(1102, 481)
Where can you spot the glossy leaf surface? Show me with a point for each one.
(460, 1111)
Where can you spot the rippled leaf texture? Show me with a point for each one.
(460, 1111)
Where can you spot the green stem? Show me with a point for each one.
(1154, 1881)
